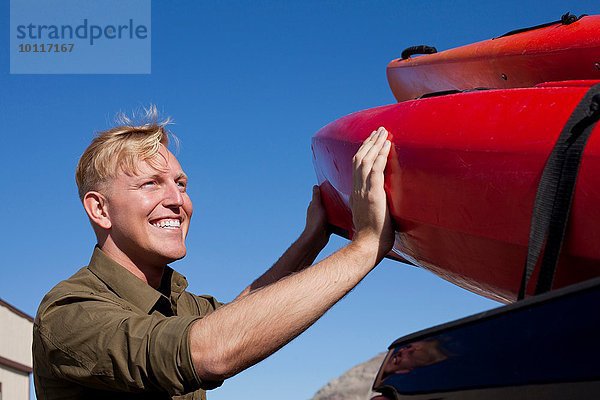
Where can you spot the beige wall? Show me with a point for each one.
(15, 353)
(15, 385)
(15, 337)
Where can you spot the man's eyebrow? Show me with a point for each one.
(148, 176)
(182, 175)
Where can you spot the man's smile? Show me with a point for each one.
(167, 223)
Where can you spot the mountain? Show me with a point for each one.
(354, 384)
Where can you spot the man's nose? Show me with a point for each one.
(173, 196)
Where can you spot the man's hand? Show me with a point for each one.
(372, 223)
(316, 220)
(303, 252)
(281, 304)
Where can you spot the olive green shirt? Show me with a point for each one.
(105, 334)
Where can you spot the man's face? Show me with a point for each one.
(150, 212)
(409, 357)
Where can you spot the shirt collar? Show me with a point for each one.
(128, 286)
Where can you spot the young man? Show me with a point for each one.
(125, 327)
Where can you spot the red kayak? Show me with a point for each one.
(552, 52)
(462, 179)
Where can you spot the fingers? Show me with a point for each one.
(316, 193)
(370, 217)
(368, 144)
(370, 159)
(379, 164)
(376, 145)
(316, 220)
(316, 196)
(362, 150)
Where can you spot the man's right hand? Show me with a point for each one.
(259, 322)
(372, 222)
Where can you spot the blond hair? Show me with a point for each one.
(121, 149)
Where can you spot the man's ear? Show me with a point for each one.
(96, 207)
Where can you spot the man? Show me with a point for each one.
(125, 327)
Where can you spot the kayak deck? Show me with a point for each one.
(552, 53)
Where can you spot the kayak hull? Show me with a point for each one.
(461, 181)
(553, 53)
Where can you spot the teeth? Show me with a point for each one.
(167, 223)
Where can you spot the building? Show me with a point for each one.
(15, 353)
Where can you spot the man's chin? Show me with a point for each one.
(174, 257)
(168, 257)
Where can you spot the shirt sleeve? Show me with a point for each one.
(99, 343)
(193, 304)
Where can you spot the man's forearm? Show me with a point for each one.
(242, 333)
(301, 254)
(252, 327)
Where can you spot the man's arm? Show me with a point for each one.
(244, 332)
(303, 251)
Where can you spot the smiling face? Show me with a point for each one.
(414, 355)
(148, 213)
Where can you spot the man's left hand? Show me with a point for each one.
(316, 220)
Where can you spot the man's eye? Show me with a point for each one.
(182, 185)
(149, 184)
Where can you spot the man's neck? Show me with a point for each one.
(152, 275)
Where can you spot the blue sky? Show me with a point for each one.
(247, 84)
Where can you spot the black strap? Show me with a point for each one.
(555, 193)
(565, 19)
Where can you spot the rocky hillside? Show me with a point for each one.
(354, 384)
